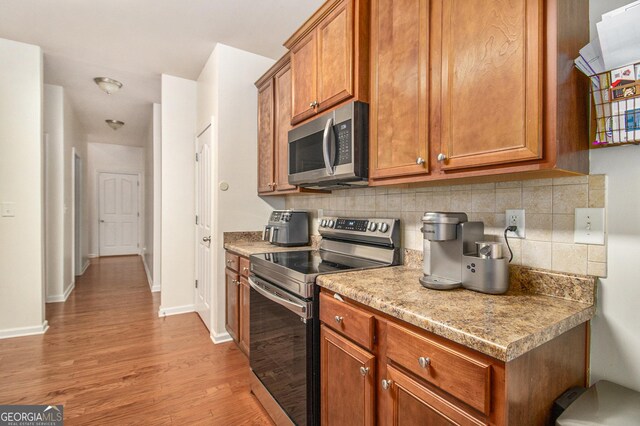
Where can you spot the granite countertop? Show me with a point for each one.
(502, 326)
(247, 248)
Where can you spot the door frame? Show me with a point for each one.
(141, 189)
(76, 227)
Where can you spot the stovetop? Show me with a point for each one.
(312, 262)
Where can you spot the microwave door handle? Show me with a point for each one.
(328, 146)
(299, 309)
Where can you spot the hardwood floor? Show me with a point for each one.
(109, 359)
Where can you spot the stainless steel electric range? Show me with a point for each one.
(284, 326)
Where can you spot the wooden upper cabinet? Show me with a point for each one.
(282, 82)
(335, 56)
(330, 58)
(347, 376)
(303, 65)
(265, 137)
(491, 87)
(399, 138)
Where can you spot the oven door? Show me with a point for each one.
(281, 347)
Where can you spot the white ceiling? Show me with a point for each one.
(134, 41)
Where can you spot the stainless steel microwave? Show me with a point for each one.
(331, 151)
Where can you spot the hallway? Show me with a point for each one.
(109, 359)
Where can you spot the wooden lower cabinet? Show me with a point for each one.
(417, 378)
(245, 292)
(237, 292)
(232, 319)
(347, 382)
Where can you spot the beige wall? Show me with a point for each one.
(549, 215)
(21, 182)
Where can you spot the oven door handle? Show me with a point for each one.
(299, 309)
(328, 146)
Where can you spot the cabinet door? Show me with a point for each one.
(283, 125)
(491, 82)
(347, 381)
(303, 75)
(335, 57)
(265, 137)
(399, 143)
(410, 400)
(244, 293)
(232, 309)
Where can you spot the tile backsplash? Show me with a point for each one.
(549, 206)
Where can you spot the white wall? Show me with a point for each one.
(147, 243)
(226, 92)
(111, 158)
(615, 341)
(178, 195)
(53, 122)
(157, 196)
(21, 182)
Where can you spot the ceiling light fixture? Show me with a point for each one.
(115, 124)
(108, 85)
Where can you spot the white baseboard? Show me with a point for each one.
(176, 310)
(85, 266)
(149, 279)
(217, 338)
(92, 255)
(24, 331)
(57, 298)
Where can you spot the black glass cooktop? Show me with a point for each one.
(310, 262)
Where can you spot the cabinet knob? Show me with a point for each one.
(313, 104)
(338, 319)
(229, 262)
(364, 371)
(270, 184)
(424, 361)
(441, 157)
(245, 269)
(419, 160)
(273, 184)
(386, 384)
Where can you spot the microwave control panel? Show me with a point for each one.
(343, 142)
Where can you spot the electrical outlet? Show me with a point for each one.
(515, 218)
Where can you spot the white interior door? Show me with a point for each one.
(119, 214)
(203, 226)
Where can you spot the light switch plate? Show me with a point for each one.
(8, 209)
(589, 226)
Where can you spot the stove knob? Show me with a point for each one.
(323, 223)
(383, 227)
(330, 223)
(372, 226)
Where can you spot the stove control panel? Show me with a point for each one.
(380, 226)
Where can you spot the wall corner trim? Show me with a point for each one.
(149, 279)
(218, 338)
(24, 331)
(85, 266)
(58, 298)
(176, 310)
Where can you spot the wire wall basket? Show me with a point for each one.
(616, 107)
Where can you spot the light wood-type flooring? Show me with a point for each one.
(109, 359)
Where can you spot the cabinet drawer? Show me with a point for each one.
(462, 376)
(349, 320)
(244, 266)
(232, 261)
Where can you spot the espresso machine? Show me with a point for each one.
(287, 228)
(456, 255)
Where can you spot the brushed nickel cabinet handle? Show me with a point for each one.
(441, 157)
(364, 371)
(419, 161)
(386, 384)
(424, 361)
(338, 319)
